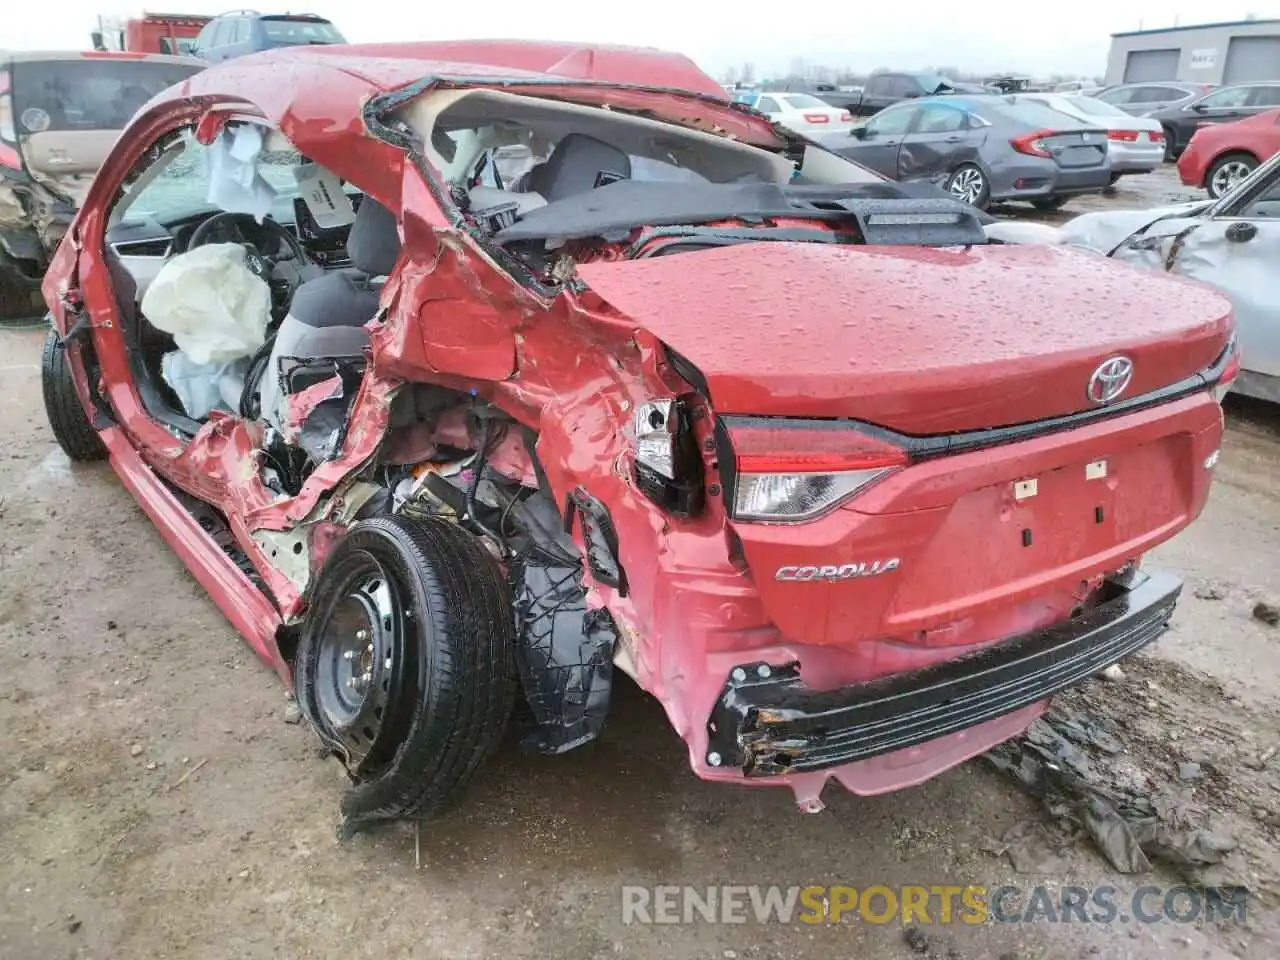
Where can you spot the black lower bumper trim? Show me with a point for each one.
(768, 722)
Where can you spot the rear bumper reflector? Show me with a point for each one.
(767, 722)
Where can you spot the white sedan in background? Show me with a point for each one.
(803, 112)
(1134, 144)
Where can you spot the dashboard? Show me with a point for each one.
(144, 246)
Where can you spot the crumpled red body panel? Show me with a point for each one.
(568, 366)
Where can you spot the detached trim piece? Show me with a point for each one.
(775, 725)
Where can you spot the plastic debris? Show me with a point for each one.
(1074, 762)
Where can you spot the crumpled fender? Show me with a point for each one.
(1105, 230)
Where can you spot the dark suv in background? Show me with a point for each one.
(1224, 105)
(885, 89)
(247, 31)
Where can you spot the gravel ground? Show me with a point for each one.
(155, 803)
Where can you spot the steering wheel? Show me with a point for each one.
(227, 225)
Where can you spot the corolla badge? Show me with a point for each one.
(833, 573)
(1110, 379)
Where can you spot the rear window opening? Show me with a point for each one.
(527, 172)
(61, 96)
(300, 30)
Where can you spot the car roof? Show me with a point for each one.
(258, 15)
(317, 94)
(1177, 84)
(57, 56)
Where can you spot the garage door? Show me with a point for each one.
(1252, 58)
(1146, 65)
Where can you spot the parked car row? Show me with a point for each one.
(969, 140)
(1184, 108)
(1038, 148)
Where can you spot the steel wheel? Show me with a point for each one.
(405, 666)
(1227, 173)
(359, 670)
(968, 184)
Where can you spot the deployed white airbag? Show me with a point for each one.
(215, 307)
(204, 387)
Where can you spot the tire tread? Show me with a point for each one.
(67, 416)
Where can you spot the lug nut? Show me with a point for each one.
(713, 758)
(348, 654)
(739, 674)
(763, 671)
(362, 634)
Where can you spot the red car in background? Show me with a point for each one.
(1221, 155)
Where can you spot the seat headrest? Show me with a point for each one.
(373, 243)
(577, 164)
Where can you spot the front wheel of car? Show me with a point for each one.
(405, 666)
(67, 417)
(1227, 172)
(969, 184)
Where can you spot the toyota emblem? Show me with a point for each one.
(1110, 379)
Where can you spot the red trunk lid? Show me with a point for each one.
(920, 340)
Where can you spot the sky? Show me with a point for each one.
(1039, 37)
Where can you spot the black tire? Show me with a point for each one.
(967, 170)
(67, 417)
(1245, 160)
(439, 678)
(1049, 204)
(1115, 178)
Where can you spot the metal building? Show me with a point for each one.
(1207, 53)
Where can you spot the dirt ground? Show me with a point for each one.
(155, 803)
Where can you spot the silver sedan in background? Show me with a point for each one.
(1136, 144)
(983, 149)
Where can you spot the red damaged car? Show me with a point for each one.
(455, 370)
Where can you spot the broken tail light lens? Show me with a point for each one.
(788, 471)
(1230, 371)
(1032, 144)
(668, 467)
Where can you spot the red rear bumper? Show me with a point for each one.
(965, 584)
(767, 722)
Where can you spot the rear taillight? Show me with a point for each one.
(1032, 144)
(846, 117)
(787, 471)
(668, 467)
(1156, 136)
(816, 118)
(1123, 136)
